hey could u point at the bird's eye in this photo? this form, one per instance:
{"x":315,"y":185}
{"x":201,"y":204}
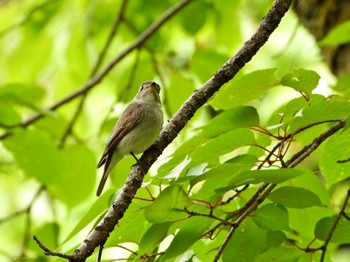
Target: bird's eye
{"x":142,"y":87}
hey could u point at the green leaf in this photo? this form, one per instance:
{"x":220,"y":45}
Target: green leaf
{"x":8,"y":114}
{"x":80,"y":164}
{"x":294,"y":197}
{"x":340,"y":34}
{"x":343,"y":84}
{"x":241,"y":247}
{"x":280,"y":254}
{"x":341,"y":234}
{"x":21,"y":93}
{"x":48,"y":234}
{"x":201,"y":67}
{"x":226,"y":143}
{"x":181,"y":88}
{"x":37,"y":155}
{"x":199,"y":150}
{"x":153,"y":237}
{"x":312,"y":183}
{"x":220,"y":176}
{"x":188,"y":234}
{"x":181,"y":155}
{"x":322,"y":111}
{"x":275,"y":176}
{"x":224,"y":172}
{"x":276,"y":238}
{"x":244,"y":89}
{"x":177,"y":170}
{"x":301,"y":80}
{"x":296,"y":105}
{"x":197,"y":14}
{"x":238,"y":117}
{"x":96,"y":209}
{"x":168,"y":206}
{"x":272,"y":217}
{"x":336,"y":148}
{"x":130,"y":228}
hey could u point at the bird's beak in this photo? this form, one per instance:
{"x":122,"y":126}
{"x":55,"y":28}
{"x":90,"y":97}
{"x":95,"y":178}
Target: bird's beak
{"x":154,"y":86}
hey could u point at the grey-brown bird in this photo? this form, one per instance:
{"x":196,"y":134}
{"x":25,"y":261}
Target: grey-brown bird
{"x":136,"y":130}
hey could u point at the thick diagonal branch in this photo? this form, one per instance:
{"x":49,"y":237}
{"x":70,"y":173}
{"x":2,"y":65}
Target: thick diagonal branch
{"x":100,"y":234}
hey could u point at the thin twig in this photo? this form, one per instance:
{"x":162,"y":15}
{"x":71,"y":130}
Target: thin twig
{"x":27,"y":18}
{"x":335,"y":224}
{"x":152,"y":52}
{"x":266,"y":188}
{"x":115,"y":27}
{"x":223,"y":221}
{"x":48,"y":252}
{"x":307,"y":150}
{"x":28,"y":222}
{"x":243,"y":216}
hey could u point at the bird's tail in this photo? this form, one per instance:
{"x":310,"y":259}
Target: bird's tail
{"x":109,"y":164}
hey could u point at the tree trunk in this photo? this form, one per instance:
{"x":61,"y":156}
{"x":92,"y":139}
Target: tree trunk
{"x":319,"y":17}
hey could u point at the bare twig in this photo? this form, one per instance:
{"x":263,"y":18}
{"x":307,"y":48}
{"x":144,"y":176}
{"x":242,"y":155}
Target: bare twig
{"x":48,"y":252}
{"x":100,"y":76}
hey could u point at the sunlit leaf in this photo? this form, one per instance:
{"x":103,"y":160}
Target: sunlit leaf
{"x":210,"y":152}
{"x":322,"y":111}
{"x":244,"y":89}
{"x":152,"y":237}
{"x":272,"y":217}
{"x":8,"y":114}
{"x":130,"y":227}
{"x":234,"y":118}
{"x":191,"y":232}
{"x":294,"y":197}
{"x":197,"y":13}
{"x":241,"y":246}
{"x":337,"y":148}
{"x":37,"y":155}
{"x":167,"y":206}
{"x":281,"y":253}
{"x":275,"y":176}
{"x":80,"y":170}
{"x":200,"y":65}
{"x":96,"y":209}
{"x":340,"y":34}
{"x":303,"y":81}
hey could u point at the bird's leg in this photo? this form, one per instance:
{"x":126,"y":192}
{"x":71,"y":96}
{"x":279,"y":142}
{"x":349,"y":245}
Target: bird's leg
{"x":134,"y":156}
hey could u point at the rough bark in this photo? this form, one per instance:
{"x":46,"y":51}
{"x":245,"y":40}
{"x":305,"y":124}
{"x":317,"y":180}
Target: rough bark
{"x":319,"y":17}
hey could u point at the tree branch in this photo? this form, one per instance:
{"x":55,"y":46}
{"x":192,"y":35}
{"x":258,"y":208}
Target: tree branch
{"x":114,"y":29}
{"x":99,"y":235}
{"x":99,"y":77}
{"x":267,"y":188}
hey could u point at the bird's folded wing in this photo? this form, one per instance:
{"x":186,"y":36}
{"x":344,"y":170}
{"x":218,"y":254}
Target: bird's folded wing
{"x":130,"y":118}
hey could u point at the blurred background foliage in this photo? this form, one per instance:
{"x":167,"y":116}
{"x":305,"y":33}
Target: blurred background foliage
{"x":48,"y":50}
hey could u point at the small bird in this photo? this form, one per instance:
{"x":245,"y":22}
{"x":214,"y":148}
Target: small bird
{"x":136,"y":130}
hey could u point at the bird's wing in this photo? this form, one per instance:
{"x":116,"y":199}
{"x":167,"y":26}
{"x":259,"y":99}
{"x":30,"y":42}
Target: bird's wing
{"x":132,"y":115}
